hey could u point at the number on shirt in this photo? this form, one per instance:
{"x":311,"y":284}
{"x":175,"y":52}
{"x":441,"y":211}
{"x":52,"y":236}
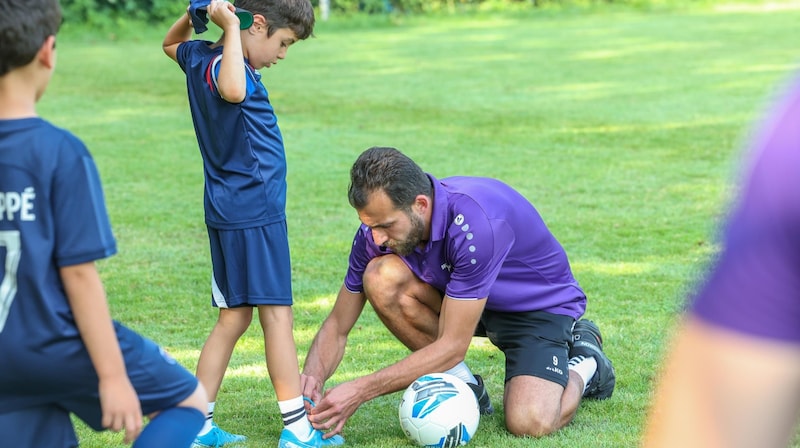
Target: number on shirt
{"x":8,"y":287}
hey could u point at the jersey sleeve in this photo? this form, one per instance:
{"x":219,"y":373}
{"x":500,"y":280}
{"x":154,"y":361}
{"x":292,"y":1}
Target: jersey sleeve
{"x":189,"y":58}
{"x":182,"y":55}
{"x":478,"y":246}
{"x":362,"y":251}
{"x":82,"y":228}
{"x":212,"y":76}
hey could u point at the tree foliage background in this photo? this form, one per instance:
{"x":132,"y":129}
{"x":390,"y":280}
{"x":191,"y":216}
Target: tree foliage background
{"x":105,"y":12}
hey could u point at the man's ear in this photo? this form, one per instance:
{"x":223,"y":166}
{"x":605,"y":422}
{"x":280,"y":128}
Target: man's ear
{"x":47,"y":52}
{"x":422,"y":203}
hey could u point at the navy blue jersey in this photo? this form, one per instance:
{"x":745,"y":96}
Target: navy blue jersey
{"x":242,"y":148}
{"x":52,"y":214}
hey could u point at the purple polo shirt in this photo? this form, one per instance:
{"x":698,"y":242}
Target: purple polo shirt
{"x":755,"y":286}
{"x":486,"y":240}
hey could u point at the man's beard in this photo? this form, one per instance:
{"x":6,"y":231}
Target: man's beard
{"x":415,"y":235}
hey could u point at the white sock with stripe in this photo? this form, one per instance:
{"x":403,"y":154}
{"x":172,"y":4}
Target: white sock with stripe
{"x":584,"y":367}
{"x":295,"y":418}
{"x":209,"y":419}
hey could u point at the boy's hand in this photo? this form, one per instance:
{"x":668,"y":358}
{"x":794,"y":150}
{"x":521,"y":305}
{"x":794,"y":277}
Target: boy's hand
{"x":223,"y":14}
{"x":121,"y":407}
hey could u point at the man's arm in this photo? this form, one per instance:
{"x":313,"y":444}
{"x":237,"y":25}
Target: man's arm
{"x":87,"y":299}
{"x":327,"y":349}
{"x":725,"y":389}
{"x":457,"y":322}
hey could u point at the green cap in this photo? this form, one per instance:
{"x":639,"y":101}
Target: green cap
{"x":245,"y":18}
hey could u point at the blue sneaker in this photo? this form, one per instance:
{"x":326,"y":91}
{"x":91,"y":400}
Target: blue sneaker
{"x":289,"y":440}
{"x":216,"y":438}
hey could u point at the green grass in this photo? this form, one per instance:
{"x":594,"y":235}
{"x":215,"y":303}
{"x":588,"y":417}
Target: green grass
{"x":623,"y":128}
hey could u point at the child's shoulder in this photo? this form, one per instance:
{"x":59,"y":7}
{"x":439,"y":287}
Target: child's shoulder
{"x":52,"y":138}
{"x":197,"y":50}
{"x":200,"y":46}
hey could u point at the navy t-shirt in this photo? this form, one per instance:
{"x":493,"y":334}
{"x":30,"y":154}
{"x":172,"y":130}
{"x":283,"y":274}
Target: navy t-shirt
{"x":487,"y":240}
{"x":243,"y":155}
{"x":52,"y":214}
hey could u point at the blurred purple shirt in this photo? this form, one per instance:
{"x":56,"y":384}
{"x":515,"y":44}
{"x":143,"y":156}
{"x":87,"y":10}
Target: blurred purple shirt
{"x":755,"y":286}
{"x":486,"y":240}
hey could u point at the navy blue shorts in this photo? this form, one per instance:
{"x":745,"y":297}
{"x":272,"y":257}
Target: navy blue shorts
{"x":534,"y":343}
{"x":250,"y":266}
{"x":46,"y":385}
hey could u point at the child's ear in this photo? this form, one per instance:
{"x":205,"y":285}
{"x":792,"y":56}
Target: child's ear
{"x":47,"y":52}
{"x":259,"y":23}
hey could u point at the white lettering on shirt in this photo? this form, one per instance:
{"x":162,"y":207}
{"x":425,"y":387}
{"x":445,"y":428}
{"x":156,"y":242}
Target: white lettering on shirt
{"x":17,"y":206}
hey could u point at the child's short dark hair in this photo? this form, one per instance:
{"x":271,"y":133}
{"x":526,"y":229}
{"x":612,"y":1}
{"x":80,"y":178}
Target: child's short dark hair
{"x":297,"y":15}
{"x":24,"y":26}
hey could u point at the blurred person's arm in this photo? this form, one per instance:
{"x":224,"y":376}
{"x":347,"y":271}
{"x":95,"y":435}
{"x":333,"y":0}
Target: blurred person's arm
{"x":725,"y":389}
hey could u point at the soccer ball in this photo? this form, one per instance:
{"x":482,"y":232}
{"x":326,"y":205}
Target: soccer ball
{"x":439,"y":410}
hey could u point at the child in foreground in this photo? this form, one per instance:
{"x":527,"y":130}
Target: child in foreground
{"x":61,"y":352}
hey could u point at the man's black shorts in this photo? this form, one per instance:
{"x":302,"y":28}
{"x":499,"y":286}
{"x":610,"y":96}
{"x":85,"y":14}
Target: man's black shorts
{"x":535,"y":343}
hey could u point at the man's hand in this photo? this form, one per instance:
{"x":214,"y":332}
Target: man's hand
{"x":121,"y":407}
{"x":338,"y":404}
{"x":311,"y":388}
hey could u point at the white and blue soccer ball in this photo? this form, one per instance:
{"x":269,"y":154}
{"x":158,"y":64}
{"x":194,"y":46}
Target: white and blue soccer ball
{"x":439,"y":410}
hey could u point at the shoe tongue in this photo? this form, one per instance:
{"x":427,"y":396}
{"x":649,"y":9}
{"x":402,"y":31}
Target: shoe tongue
{"x":310,"y":435}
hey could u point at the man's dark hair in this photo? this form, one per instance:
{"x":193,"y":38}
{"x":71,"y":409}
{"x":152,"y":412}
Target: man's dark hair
{"x":297,"y":15}
{"x":387,"y":169}
{"x":24,"y":26}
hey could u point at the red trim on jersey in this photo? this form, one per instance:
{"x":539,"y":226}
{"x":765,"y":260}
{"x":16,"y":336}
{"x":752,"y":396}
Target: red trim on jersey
{"x":210,"y":73}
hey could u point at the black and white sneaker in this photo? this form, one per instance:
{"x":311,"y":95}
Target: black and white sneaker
{"x":484,"y":402}
{"x":587,"y":341}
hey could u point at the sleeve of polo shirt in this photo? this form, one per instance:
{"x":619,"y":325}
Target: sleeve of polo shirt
{"x":361,"y":252}
{"x":478,"y":247}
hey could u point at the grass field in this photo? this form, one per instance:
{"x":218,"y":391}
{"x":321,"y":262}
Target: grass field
{"x":623,"y":128}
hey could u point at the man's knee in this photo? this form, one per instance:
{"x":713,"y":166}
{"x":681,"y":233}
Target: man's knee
{"x":531,"y":422}
{"x":532,"y":406}
{"x":386,"y":270}
{"x":385,"y":278}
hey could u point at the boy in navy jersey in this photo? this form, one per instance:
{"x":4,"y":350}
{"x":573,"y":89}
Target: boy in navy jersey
{"x":245,"y":194}
{"x":60,"y":351}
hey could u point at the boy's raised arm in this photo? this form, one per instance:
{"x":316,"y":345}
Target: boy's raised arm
{"x":231,"y":80}
{"x":179,"y":32}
